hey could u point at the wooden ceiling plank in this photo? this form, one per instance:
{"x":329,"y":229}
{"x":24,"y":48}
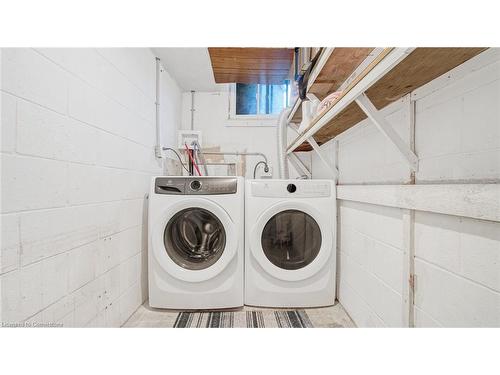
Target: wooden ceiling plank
{"x":250,"y":65}
{"x":249,"y":79}
{"x":252,"y":53}
{"x":250,"y":70}
{"x":229,"y":63}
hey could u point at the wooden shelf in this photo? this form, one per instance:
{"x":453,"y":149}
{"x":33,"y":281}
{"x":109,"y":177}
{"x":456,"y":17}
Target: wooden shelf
{"x":333,"y":68}
{"x":421,"y":66}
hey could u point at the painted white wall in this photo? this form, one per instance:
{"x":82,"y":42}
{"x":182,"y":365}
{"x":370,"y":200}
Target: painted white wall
{"x":457,"y":260}
{"x":78,"y":134}
{"x":170,"y":112}
{"x":211,"y":116}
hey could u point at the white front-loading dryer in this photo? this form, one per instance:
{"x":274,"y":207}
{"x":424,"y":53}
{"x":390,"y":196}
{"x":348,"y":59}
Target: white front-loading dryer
{"x":196,"y":242}
{"x":290,"y":243}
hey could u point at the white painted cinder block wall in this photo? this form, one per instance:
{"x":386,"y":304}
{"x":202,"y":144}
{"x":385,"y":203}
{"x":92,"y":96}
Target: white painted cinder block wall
{"x":457,"y":260}
{"x":211,"y":117}
{"x":78,"y":134}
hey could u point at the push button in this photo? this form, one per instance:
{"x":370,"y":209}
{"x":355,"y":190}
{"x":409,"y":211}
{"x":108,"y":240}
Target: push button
{"x":291,"y":188}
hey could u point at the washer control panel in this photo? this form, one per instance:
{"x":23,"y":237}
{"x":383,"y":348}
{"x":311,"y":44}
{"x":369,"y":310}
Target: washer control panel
{"x":196,"y":185}
{"x":291,"y":188}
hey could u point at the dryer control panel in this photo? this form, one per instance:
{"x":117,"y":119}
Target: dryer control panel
{"x":291,"y":188}
{"x":196,"y":185}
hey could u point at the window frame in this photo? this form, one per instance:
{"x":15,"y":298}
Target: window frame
{"x":232,"y":107}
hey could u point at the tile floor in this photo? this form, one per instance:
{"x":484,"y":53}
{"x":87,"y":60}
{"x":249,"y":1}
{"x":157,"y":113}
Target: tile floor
{"x":323,"y":317}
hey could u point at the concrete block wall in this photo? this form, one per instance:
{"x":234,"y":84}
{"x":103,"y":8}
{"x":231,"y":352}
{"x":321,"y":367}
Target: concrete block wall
{"x":78,"y":134}
{"x":457,"y":263}
{"x":370,"y":256}
{"x":458,"y":127}
{"x":457,"y":260}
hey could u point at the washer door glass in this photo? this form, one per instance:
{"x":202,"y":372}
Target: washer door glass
{"x":194,"y":238}
{"x":291,"y":239}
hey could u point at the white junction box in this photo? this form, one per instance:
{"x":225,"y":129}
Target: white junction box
{"x":186,"y":137}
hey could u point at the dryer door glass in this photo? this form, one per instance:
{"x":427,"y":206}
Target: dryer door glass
{"x":194,"y":238}
{"x":291,"y":239}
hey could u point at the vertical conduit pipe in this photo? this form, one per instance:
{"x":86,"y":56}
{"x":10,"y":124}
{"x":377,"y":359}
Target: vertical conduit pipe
{"x":158,"y":149}
{"x":192,"y":109}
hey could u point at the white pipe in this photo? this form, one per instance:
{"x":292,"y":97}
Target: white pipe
{"x":192,"y":110}
{"x":158,"y":149}
{"x":237,"y":153}
{"x":283,"y":143}
{"x":309,"y":108}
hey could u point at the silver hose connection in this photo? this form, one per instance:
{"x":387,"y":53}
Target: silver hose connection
{"x":266,"y":168}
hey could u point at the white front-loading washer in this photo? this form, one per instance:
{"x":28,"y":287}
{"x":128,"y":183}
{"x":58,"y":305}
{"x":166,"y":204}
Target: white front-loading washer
{"x":290,"y":243}
{"x":196,"y":242}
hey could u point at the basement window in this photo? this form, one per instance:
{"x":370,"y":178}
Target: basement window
{"x":258,"y":101}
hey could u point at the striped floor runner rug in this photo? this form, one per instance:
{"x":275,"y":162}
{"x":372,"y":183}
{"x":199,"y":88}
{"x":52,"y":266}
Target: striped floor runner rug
{"x":244,"y":319}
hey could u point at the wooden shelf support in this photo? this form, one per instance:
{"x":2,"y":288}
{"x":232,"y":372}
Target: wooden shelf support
{"x":299,"y":166}
{"x":333,"y":170}
{"x":386,"y":129}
